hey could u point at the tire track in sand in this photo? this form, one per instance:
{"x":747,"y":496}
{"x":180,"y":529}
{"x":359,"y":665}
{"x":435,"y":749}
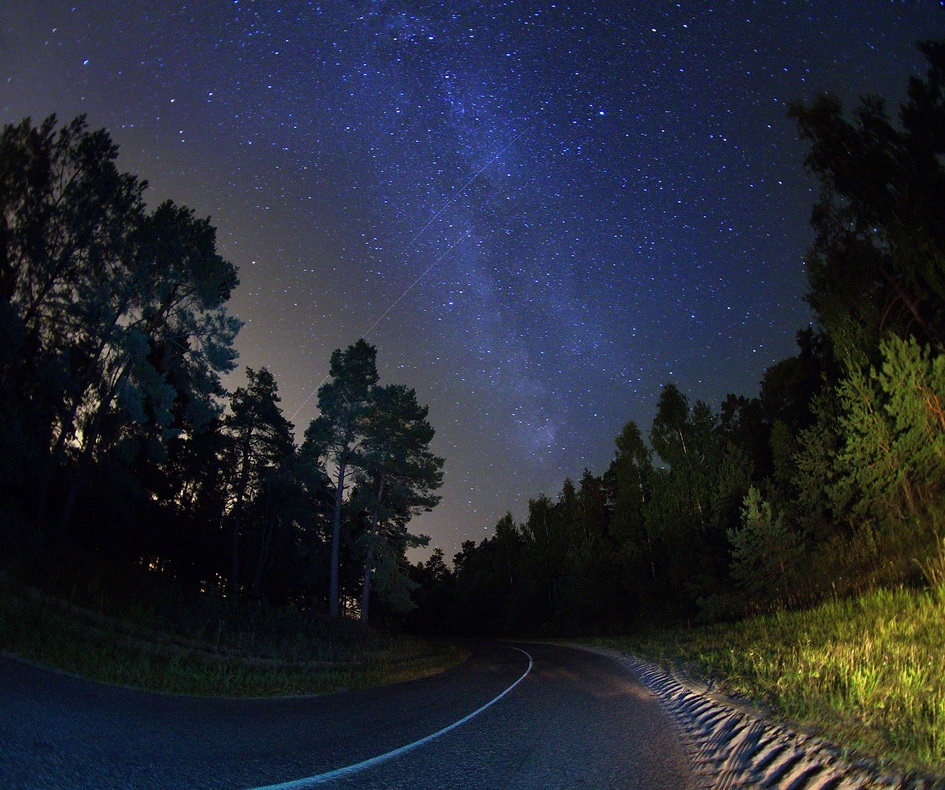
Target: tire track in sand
{"x":731,"y":747}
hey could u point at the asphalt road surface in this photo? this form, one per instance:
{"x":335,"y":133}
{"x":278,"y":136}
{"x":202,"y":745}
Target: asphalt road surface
{"x":568,"y":719}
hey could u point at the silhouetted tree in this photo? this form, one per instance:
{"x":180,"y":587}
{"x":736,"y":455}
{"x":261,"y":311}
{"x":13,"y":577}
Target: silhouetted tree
{"x":399,"y":475}
{"x":345,"y":406}
{"x":262,"y":450}
{"x":878,"y":259}
{"x":112,"y":319}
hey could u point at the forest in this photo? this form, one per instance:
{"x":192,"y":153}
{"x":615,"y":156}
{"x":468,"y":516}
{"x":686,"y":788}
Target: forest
{"x":827,"y":483}
{"x":119,"y":444}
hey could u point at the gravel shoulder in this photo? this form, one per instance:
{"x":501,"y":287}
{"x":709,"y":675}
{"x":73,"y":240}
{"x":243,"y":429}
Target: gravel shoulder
{"x":732,"y":745}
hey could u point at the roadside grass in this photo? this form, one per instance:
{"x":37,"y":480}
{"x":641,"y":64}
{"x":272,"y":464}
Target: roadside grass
{"x":210,"y":648}
{"x":867,"y":674}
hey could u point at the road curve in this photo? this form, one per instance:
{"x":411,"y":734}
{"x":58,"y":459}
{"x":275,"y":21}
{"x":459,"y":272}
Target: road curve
{"x":575,"y":720}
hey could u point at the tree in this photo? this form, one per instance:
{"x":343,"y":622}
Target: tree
{"x":878,"y":260}
{"x":113,"y":322}
{"x":262,"y":448}
{"x":345,"y":406}
{"x":668,"y":434}
{"x":672,"y":436}
{"x":631,"y":472}
{"x":67,"y":228}
{"x":591,"y":595}
{"x":433,"y":596}
{"x":193,"y":488}
{"x":546,"y":538}
{"x":789,"y":386}
{"x":696,"y":499}
{"x":892,"y":424}
{"x":399,"y":475}
{"x":764,"y":551}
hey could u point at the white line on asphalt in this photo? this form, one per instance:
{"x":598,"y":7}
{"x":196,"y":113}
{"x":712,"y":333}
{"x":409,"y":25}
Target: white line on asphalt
{"x":313,"y":781}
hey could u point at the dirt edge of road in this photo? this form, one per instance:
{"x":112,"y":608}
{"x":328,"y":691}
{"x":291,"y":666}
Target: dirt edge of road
{"x":732,"y":746}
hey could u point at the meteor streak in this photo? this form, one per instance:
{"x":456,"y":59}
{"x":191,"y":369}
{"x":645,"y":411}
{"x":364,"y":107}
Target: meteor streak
{"x":409,"y":287}
{"x":464,"y":188}
{"x":413,"y":241}
{"x":384,"y":314}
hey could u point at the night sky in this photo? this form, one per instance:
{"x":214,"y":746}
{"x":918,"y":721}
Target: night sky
{"x":538,"y":212}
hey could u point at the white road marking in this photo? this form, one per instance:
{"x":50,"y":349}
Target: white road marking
{"x":314,"y":781}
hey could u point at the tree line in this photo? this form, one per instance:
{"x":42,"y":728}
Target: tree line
{"x":117,"y":436}
{"x":828,"y":482}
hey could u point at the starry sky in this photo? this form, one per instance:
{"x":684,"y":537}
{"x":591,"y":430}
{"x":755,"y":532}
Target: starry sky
{"x":538,"y":212}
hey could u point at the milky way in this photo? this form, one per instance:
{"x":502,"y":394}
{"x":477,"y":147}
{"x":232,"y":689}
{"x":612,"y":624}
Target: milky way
{"x":538,"y":212}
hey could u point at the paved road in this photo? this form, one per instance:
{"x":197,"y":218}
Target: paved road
{"x":575,"y":720}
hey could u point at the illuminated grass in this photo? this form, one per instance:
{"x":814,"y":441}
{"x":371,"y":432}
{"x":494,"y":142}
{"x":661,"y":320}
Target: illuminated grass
{"x":318,"y":658}
{"x":868,"y":674}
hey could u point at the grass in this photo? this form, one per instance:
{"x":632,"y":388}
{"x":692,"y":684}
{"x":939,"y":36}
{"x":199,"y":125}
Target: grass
{"x":210,"y":648}
{"x":867,"y":674}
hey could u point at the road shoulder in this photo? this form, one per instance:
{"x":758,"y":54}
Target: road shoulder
{"x":732,"y":745}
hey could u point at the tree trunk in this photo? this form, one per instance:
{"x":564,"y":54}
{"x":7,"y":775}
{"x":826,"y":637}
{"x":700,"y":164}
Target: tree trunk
{"x":270,"y":524}
{"x":263,"y":558}
{"x":83,"y":463}
{"x":366,"y":586}
{"x":234,"y":581}
{"x":56,"y":458}
{"x":333,"y":587}
{"x":106,"y":394}
{"x":369,"y":559}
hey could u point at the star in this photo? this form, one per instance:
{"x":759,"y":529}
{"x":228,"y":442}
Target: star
{"x":540,"y":216}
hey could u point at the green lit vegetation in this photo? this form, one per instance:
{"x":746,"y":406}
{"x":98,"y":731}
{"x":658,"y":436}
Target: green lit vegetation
{"x":237,"y":559}
{"x":866,"y":673}
{"x":827,"y":484}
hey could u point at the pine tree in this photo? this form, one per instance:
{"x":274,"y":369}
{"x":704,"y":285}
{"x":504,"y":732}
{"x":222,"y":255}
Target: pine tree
{"x":338,"y":433}
{"x":262,"y":445}
{"x":399,"y":475}
{"x":764,"y":551}
{"x":112,"y":319}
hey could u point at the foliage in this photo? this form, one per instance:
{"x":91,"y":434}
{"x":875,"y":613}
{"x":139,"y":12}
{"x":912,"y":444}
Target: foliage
{"x":344,"y":403}
{"x":878,"y":260}
{"x":829,"y":482}
{"x":379,"y":434}
{"x":113,"y":317}
{"x":114,"y":335}
{"x":396,"y":481}
{"x":113,"y":439}
{"x":636,"y":539}
{"x":764,"y":551}
{"x":867,"y":672}
{"x":205,"y":646}
{"x":261,"y":455}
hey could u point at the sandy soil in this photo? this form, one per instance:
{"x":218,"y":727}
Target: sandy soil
{"x":731,"y":745}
